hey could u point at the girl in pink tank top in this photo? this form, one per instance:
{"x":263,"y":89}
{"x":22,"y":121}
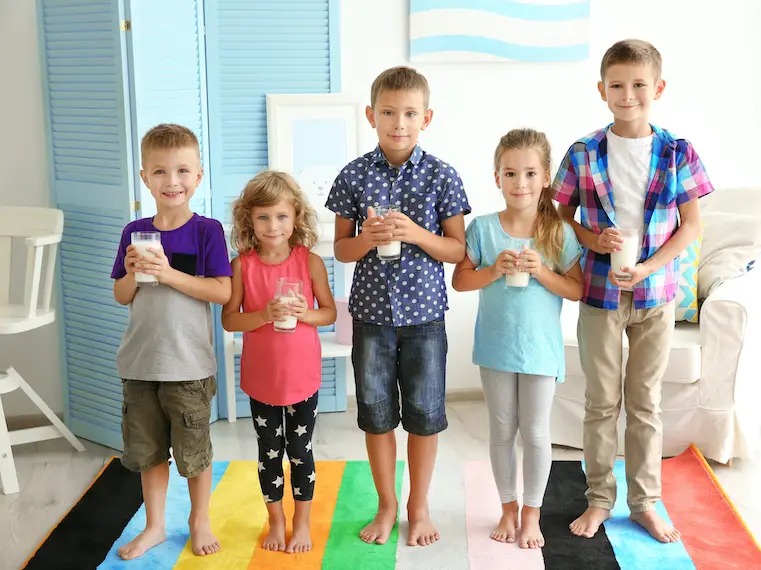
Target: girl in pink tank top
{"x":281,"y":365}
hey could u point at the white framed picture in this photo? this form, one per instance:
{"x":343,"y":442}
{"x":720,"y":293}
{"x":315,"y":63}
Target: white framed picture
{"x":313,"y":136}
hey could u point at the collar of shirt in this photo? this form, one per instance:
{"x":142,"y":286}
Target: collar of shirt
{"x":379,"y":156}
{"x":596,"y":141}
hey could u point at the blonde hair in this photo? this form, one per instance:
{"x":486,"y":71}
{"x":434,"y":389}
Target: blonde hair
{"x":267,"y":189}
{"x":168,"y":136}
{"x":548,"y":234}
{"x":632,"y":51}
{"x":400,"y":78}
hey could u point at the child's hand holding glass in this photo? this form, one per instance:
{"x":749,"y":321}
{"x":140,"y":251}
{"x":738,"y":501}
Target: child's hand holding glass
{"x":299,"y":307}
{"x":531,"y":262}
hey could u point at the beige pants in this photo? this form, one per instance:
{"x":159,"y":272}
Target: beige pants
{"x":600,"y":333}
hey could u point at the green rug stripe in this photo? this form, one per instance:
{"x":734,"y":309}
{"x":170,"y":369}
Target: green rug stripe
{"x":356,"y":506}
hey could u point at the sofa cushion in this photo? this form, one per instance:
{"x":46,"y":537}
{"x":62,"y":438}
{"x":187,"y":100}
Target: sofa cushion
{"x":684,"y":365}
{"x":730,"y":242}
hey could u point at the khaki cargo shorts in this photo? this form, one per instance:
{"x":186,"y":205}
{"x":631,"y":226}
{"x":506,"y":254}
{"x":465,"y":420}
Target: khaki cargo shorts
{"x":160,"y":415}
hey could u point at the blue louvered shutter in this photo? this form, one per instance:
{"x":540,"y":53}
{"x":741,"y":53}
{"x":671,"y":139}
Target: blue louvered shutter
{"x":85,"y":90}
{"x":255,"y":48}
{"x":167,"y":60}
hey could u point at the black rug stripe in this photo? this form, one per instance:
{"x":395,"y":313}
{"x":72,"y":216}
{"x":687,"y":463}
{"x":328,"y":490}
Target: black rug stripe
{"x":563,"y":502}
{"x":83,"y":538}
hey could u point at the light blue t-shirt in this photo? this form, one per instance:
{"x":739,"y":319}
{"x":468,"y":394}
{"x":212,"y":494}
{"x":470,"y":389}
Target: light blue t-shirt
{"x":517,"y":329}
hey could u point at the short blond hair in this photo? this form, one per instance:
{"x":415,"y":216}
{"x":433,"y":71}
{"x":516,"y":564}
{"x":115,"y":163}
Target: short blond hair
{"x":632,"y":51}
{"x":400,"y":78}
{"x":168,"y":136}
{"x":267,"y":189}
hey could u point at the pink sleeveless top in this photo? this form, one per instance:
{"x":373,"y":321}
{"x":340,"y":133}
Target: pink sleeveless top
{"x":278,"y":368}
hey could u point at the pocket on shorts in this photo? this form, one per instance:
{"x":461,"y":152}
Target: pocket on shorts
{"x":193,"y":387}
{"x":196,"y":442}
{"x":206,"y":387}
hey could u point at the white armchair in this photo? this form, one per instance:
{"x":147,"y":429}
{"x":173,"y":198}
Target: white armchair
{"x":712,"y":386}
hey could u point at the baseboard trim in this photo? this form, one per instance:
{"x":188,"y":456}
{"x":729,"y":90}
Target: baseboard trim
{"x":28,"y":421}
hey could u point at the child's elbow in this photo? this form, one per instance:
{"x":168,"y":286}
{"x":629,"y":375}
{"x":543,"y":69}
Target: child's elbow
{"x":458,"y":253}
{"x":332,"y":316}
{"x":577,"y":292}
{"x":226,"y":324}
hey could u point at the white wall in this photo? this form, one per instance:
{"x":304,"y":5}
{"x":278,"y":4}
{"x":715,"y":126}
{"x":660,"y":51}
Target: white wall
{"x":24,"y":182}
{"x":712,"y":57}
{"x":711,"y":51}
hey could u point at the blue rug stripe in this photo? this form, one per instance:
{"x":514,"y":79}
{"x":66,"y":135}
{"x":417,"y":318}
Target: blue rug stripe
{"x":634,"y":547}
{"x":177,"y":533}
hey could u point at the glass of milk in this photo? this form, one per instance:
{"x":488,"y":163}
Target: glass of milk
{"x":518,"y":279}
{"x":142,"y":242}
{"x":287,"y":291}
{"x":391,"y":251}
{"x":629,"y":252}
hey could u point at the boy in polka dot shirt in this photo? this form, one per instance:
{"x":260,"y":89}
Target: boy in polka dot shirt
{"x":399,"y":342}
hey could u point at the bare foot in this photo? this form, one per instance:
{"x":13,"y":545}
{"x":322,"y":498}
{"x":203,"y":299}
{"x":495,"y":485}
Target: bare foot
{"x":301,"y":541}
{"x":143,"y":542}
{"x":531,"y":534}
{"x":380,"y":529}
{"x":422,"y":530}
{"x":508,"y":525}
{"x":202,"y":539}
{"x":658,"y":528}
{"x":589,"y":523}
{"x":275,"y":539}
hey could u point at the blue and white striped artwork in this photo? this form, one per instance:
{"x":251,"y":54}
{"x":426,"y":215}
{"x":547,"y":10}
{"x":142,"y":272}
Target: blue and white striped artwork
{"x":499,"y":30}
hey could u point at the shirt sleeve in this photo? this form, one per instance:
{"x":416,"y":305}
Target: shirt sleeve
{"x":118,"y":270}
{"x":217,"y":261}
{"x":451,"y":198}
{"x":571,"y":249}
{"x":566,"y":183}
{"x":472,"y":243}
{"x":341,"y":199}
{"x":692,"y":178}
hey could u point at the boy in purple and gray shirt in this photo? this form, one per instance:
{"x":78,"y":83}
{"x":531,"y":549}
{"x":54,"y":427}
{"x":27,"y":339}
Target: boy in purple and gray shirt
{"x":166,"y":357}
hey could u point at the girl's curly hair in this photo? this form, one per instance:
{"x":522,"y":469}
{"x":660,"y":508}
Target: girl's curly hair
{"x":267,"y":189}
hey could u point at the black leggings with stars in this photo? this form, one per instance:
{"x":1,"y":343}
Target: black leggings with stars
{"x":280,"y":429}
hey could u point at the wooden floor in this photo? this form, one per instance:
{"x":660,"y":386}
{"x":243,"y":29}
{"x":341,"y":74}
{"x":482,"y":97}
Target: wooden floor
{"x":53,"y":476}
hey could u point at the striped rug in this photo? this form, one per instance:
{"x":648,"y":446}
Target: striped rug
{"x":464,"y":504}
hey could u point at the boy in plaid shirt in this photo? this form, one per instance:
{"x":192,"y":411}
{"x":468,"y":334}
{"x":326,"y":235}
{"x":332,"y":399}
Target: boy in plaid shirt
{"x":630,"y":175}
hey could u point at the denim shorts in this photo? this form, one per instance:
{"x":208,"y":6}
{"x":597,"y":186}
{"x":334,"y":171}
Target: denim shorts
{"x":411,"y":361}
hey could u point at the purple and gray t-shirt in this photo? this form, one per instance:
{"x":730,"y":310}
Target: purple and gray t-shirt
{"x":169,"y":336}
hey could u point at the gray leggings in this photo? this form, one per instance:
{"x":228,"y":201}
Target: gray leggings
{"x":519,"y":401}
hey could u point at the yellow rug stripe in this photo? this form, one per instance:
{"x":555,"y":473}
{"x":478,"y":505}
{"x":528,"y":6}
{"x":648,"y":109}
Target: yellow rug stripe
{"x":329,"y":476}
{"x":238,"y":516}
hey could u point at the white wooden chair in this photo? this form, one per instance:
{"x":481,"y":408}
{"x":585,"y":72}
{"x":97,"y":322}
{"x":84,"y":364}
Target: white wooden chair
{"x":40,"y":229}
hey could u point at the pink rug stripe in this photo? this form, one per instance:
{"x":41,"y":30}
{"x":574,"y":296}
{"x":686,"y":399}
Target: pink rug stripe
{"x":482,"y":512}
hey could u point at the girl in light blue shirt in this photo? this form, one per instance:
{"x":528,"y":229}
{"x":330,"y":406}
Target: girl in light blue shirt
{"x":518,"y":340}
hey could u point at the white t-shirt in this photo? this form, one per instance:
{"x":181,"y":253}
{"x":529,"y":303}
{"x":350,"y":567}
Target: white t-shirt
{"x":629,"y":173}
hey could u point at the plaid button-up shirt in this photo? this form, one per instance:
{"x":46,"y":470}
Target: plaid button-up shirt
{"x":676,"y":176}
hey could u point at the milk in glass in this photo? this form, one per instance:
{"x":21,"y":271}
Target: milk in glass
{"x":143,"y":241}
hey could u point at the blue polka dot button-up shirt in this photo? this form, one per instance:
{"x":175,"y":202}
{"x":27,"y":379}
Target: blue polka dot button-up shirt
{"x":410,"y":290}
